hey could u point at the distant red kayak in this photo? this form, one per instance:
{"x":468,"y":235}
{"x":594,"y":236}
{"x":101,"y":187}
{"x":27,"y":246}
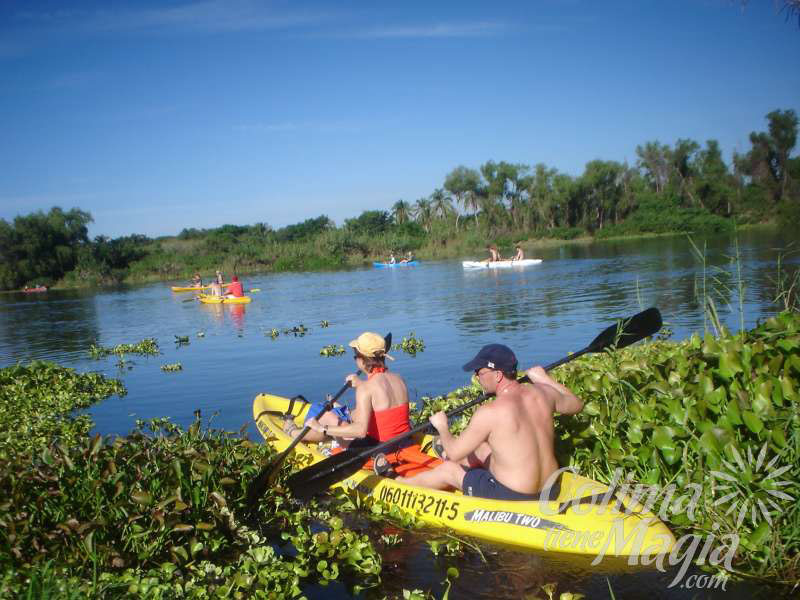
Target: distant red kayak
{"x":34,"y":290}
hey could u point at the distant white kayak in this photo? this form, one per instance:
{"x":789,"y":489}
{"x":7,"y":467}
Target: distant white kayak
{"x":500,"y":264}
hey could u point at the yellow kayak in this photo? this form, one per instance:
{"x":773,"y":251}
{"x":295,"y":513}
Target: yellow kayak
{"x":564,"y":525}
{"x":197,"y":288}
{"x":205,"y":299}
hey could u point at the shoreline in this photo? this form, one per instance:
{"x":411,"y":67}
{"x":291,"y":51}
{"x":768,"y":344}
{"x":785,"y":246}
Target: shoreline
{"x":452,"y":250}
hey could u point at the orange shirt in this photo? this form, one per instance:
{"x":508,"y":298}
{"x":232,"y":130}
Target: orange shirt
{"x":235,"y":289}
{"x":386,"y":424}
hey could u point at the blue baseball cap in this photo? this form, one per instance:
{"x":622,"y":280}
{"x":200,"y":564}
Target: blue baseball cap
{"x":493,"y":356}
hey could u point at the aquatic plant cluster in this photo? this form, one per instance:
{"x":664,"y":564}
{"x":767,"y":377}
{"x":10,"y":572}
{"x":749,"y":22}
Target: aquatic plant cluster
{"x":147,"y":347}
{"x":410,"y":345}
{"x":332,"y":350}
{"x":156,"y":514}
{"x":684,"y":419}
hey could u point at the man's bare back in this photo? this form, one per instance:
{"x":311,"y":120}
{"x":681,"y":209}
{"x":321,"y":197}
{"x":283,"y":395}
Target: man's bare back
{"x":506,"y":451}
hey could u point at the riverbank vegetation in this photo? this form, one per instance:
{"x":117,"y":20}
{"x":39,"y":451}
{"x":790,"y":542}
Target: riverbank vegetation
{"x":685,"y":187}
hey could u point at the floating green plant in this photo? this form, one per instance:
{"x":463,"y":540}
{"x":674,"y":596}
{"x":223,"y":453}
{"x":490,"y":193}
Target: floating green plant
{"x":147,"y":347}
{"x":172,"y":367}
{"x":181,"y":340}
{"x":410,"y":345}
{"x":332,"y":350}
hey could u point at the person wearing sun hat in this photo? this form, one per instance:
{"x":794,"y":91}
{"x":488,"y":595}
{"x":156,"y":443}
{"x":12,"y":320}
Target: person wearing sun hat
{"x":506,"y":451}
{"x":381,"y":410}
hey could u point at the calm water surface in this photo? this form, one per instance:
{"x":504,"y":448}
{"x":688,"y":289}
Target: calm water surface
{"x":542,"y":312}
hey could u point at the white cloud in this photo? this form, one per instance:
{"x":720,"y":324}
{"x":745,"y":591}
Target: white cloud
{"x":207,"y":16}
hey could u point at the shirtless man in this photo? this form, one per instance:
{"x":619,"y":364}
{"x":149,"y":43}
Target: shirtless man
{"x":519,"y":255}
{"x":506,"y":451}
{"x":494,"y":255}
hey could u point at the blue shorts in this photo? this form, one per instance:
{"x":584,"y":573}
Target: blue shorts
{"x":481,"y":483}
{"x":341,"y":412}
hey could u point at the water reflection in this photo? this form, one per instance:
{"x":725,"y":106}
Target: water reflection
{"x":59,"y":326}
{"x":220,"y":313}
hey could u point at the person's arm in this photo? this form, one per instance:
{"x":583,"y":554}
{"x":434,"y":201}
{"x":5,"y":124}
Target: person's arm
{"x":558,"y":396}
{"x":361,"y":415}
{"x":477,"y":432}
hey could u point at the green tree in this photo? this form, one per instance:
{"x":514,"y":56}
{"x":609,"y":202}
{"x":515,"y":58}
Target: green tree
{"x":401,"y":212}
{"x":41,"y":246}
{"x":423,"y":213}
{"x":464,"y":184}
{"x":441,"y":204}
{"x":507,"y":183}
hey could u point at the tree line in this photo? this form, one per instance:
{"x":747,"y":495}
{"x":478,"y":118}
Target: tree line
{"x":670,"y":188}
{"x":685,"y":185}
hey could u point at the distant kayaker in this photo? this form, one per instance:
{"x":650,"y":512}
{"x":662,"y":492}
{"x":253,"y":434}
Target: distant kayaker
{"x":409,"y":258}
{"x":506,"y":451}
{"x":235,"y":289}
{"x":519,"y":255}
{"x":494,"y":255}
{"x":197,"y":281}
{"x":219,"y":277}
{"x":216,"y":288}
{"x":392,"y":259}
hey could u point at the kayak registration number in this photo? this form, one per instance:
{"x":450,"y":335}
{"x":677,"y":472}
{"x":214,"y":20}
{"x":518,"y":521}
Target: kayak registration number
{"x":420,"y":501}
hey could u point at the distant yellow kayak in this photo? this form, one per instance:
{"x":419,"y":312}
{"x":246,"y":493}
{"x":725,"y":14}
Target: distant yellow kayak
{"x":222,"y":300}
{"x":197,"y":288}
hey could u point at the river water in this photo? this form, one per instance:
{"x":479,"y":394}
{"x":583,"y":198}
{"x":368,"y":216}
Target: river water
{"x":542,"y":312}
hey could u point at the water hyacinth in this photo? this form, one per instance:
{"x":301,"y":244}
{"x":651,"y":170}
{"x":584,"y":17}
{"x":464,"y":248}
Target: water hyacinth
{"x":410,"y":345}
{"x":332,"y":350}
{"x":147,"y":347}
{"x":158,"y":513}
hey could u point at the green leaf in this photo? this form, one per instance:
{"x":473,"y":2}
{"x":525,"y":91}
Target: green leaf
{"x":753,"y":423}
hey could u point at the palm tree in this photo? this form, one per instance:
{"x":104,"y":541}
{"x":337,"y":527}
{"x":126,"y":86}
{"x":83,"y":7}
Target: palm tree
{"x":401,"y":211}
{"x":423,"y":213}
{"x":441,"y":203}
{"x":464,"y":184}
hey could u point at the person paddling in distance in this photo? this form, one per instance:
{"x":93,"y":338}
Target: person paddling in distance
{"x":235,"y":289}
{"x":494,"y":255}
{"x":392,"y":259}
{"x":520,"y":255}
{"x":216,"y":288}
{"x":197,"y":281}
{"x":506,"y":451}
{"x":218,"y":277}
{"x":408,"y":258}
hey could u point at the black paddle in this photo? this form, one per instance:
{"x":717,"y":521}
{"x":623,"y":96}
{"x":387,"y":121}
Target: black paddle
{"x":320,"y":476}
{"x":268,"y":473}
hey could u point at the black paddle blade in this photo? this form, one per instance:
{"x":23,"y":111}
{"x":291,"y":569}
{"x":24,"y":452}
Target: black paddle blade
{"x":261,"y":482}
{"x":627,"y":331}
{"x":318,"y":477}
{"x":387,"y":340}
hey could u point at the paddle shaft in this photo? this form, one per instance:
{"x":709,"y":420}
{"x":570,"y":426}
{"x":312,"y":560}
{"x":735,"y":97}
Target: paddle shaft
{"x":328,"y":405}
{"x":621,"y":334}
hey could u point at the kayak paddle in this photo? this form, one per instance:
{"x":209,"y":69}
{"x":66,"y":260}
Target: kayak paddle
{"x":268,"y":473}
{"x":320,"y":476}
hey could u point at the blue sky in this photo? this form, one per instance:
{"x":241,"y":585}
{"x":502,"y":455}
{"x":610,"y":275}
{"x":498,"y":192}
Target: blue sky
{"x":164,"y":115}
